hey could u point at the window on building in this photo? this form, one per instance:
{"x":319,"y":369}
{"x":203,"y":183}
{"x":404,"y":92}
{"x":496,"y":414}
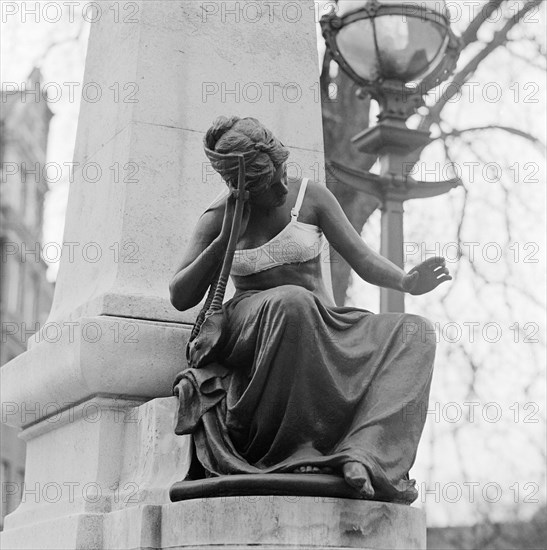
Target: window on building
{"x":29,"y":298}
{"x":23,"y":189}
{"x":11,"y":181}
{"x":31,"y":203}
{"x":37,"y":284}
{"x":12,"y":283}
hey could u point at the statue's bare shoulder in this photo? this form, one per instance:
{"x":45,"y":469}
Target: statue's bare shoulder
{"x":210,"y":221}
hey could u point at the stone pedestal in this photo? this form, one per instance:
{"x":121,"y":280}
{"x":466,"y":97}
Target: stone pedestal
{"x":84,"y":465}
{"x":133,"y":456}
{"x":286,"y":522}
{"x":269,"y":522}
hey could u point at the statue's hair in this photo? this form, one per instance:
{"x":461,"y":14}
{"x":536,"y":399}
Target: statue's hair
{"x":242,"y":135}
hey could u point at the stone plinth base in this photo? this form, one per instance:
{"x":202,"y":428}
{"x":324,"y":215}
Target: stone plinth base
{"x":291,"y":522}
{"x":130,"y":456}
{"x":264,"y":522}
{"x":98,"y":476}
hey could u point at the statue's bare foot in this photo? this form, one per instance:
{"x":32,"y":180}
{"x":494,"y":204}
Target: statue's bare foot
{"x":357,"y":476}
{"x":312,"y":470}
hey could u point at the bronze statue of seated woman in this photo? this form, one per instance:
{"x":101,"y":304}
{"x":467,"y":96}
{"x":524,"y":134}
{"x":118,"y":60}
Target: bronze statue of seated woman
{"x":300,"y":384}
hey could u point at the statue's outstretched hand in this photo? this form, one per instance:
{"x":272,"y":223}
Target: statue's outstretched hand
{"x":426,"y":276}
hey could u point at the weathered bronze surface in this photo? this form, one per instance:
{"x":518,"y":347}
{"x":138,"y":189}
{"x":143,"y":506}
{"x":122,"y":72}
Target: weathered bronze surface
{"x":301,"y":386}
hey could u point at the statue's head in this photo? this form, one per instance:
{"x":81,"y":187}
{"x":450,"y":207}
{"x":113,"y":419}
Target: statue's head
{"x":246,"y":135}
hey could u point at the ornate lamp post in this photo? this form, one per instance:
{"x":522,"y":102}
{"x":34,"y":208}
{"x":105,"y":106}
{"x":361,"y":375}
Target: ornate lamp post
{"x":396,"y":51}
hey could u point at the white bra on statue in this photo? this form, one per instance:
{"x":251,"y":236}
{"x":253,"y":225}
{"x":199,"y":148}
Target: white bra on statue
{"x":297,"y":242}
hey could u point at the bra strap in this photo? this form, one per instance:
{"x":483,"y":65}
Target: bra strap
{"x":299,"y":199}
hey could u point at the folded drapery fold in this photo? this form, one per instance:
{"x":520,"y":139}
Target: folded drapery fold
{"x":304,"y":383}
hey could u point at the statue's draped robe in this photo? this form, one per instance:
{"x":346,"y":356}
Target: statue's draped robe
{"x":303,"y":383}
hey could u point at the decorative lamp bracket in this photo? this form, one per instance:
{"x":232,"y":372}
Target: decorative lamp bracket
{"x":399,"y":188}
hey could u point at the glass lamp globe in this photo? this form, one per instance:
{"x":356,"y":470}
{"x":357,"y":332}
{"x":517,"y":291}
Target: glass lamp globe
{"x":397,"y":40}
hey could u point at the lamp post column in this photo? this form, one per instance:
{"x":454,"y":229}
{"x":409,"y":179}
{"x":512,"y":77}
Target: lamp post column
{"x":391,"y":247}
{"x":393,"y":155}
{"x":360,"y":38}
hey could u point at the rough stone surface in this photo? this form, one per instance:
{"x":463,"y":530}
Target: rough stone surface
{"x":95,"y":458}
{"x":102,"y":355}
{"x":74,"y":531}
{"x":292,"y":521}
{"x":265,"y":522}
{"x":133,"y":457}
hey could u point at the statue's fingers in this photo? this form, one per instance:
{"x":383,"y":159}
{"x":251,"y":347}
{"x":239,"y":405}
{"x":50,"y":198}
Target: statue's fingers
{"x":440,"y":271}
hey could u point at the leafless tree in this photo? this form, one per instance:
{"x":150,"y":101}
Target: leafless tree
{"x":339,"y":127}
{"x":496,"y":39}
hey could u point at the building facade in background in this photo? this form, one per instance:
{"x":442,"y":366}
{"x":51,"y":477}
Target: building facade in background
{"x":25,"y":294}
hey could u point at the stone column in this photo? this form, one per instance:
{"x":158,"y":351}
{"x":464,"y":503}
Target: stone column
{"x":91,"y":393}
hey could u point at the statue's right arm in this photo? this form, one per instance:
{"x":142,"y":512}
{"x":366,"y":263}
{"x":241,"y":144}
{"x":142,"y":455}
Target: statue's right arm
{"x":201,"y":260}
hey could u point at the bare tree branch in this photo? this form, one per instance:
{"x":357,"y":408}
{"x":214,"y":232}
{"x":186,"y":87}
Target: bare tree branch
{"x":508,"y":129}
{"x":499,"y":39}
{"x":470,"y":34}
